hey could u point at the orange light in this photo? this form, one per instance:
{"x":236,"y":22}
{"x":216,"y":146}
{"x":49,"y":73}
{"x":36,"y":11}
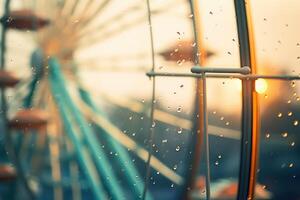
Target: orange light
{"x":261,"y":86}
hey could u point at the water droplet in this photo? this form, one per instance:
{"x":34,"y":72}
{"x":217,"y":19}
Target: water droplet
{"x":221,"y":118}
{"x":229,"y":53}
{"x":292,"y":144}
{"x":217,"y":163}
{"x":279,"y":115}
{"x":175,"y":167}
{"x":296,"y":123}
{"x":211,"y":13}
{"x":291,"y":165}
{"x":181,"y":86}
{"x":130,"y":118}
{"x":179,"y":130}
{"x":214,"y":112}
{"x":293,"y":84}
{"x":153,"y":124}
{"x":179,"y":109}
{"x":191,"y":15}
{"x":180,"y":62}
{"x":289,"y":101}
{"x":268,"y":135}
{"x":285,"y":134}
{"x":294,"y":94}
{"x":227,"y":123}
{"x":219,"y":156}
{"x":164,"y":141}
{"x":172,"y":185}
{"x":177,"y":148}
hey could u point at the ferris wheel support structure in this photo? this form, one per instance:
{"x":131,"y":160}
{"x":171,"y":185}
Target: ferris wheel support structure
{"x":250,"y":112}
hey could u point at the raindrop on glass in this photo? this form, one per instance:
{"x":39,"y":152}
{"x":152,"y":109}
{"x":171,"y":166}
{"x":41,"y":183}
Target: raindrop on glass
{"x":292,"y":144}
{"x":296,"y":123}
{"x":179,"y":130}
{"x":153,"y":124}
{"x":179,"y":109}
{"x":175,"y":167}
{"x":285,"y":134}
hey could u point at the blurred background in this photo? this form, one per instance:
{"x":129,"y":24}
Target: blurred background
{"x":80,"y":71}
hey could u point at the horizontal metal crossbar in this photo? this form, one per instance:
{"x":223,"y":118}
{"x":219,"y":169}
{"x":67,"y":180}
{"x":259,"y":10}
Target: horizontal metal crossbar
{"x":225,"y":75}
{"x":200,"y":70}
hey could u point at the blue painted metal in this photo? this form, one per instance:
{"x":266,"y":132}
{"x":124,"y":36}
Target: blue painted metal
{"x":100,"y":159}
{"x":80,"y":148}
{"x":131,"y":173}
{"x":37,"y":65}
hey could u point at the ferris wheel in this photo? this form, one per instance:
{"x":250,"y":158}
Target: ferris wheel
{"x":89,"y":118}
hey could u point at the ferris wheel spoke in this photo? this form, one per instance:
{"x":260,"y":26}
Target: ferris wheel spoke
{"x":73,"y":166}
{"x":84,"y":18}
{"x":129,"y":143}
{"x":115,"y":19}
{"x":125,"y":26}
{"x":94,"y":61}
{"x":89,"y":18}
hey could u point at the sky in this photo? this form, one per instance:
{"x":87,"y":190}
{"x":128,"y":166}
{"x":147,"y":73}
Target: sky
{"x":114,"y":62}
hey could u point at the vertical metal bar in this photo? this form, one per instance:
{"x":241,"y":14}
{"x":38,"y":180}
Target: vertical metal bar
{"x":205,"y":136}
{"x":3,"y":112}
{"x":250,"y":120}
{"x":151,"y":135}
{"x":73,"y":167}
{"x":3,"y":35}
{"x":199,"y":105}
{"x":2,"y":59}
